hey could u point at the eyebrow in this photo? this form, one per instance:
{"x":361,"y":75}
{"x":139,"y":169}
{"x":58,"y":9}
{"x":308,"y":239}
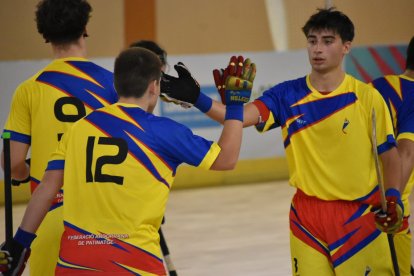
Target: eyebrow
{"x":324,"y":36}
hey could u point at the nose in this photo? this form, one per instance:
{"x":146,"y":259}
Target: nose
{"x":317,"y":47}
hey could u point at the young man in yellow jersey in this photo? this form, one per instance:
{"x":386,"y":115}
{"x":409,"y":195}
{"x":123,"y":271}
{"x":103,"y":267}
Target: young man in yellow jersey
{"x":326,"y":120}
{"x":398,"y":92}
{"x":47,"y":104}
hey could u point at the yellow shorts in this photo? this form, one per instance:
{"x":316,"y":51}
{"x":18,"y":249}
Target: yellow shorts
{"x":402,"y":243}
{"x":336,"y":238}
{"x":45,"y":248}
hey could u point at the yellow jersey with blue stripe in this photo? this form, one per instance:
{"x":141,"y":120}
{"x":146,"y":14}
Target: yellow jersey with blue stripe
{"x":398,"y":92}
{"x":125,"y":161}
{"x":327,"y":137}
{"x":47,"y":104}
{"x":43,"y":108}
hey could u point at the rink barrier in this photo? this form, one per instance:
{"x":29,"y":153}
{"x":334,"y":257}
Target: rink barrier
{"x":247,"y":171}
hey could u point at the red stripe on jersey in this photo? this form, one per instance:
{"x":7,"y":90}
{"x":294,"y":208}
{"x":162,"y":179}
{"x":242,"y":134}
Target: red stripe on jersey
{"x":112,"y":255}
{"x":263,"y":110}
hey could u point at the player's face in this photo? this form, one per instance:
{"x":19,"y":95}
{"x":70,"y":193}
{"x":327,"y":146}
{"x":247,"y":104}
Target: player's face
{"x":326,"y":50}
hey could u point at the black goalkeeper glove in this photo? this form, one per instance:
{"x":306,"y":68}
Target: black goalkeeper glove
{"x":183,"y":90}
{"x":13,"y":258}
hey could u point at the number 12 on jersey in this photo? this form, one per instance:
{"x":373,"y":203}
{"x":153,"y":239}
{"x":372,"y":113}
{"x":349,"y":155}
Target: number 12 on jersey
{"x":104,"y":144}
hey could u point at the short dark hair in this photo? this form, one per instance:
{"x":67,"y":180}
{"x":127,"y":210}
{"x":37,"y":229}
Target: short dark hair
{"x":410,"y":55}
{"x":62,"y":21}
{"x":134,"y":69}
{"x":330,"y":19}
{"x":152,"y":46}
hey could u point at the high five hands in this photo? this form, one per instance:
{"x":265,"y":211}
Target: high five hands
{"x":234,"y":83}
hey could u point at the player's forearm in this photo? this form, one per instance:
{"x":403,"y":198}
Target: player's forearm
{"x":406,"y":152}
{"x":230,"y":144}
{"x":41,"y":200}
{"x":392,"y":169}
{"x":217,"y":112}
{"x":407,"y":168}
{"x":19,"y":168}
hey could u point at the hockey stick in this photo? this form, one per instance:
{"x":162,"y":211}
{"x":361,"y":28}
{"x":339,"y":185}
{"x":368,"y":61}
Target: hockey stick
{"x":382,"y":192}
{"x":7,"y":188}
{"x":166,"y":253}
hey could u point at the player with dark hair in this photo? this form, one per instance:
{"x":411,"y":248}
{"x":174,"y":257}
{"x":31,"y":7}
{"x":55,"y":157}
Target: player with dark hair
{"x":47,"y":104}
{"x":155,"y":48}
{"x":111,"y":221}
{"x":326,"y":120}
{"x":398,"y":92}
{"x":162,"y":55}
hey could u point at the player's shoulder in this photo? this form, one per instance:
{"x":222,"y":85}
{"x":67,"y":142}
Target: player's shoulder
{"x":166,"y":126}
{"x":287,"y":87}
{"x":365,"y":92}
{"x":28,"y":84}
{"x":164,"y":121}
{"x":384,"y":79}
{"x":294,"y":83}
{"x":93,"y":65}
{"x":357,"y":86}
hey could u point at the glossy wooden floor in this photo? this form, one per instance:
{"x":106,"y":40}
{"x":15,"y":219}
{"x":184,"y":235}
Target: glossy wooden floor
{"x":225,"y":231}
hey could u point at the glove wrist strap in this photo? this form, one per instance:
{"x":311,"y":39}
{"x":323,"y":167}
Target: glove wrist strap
{"x":16,"y":182}
{"x":234,"y":112}
{"x":24,"y":238}
{"x":203,"y":103}
{"x":393,"y":192}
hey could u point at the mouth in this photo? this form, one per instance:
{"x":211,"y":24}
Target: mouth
{"x":318,"y":60}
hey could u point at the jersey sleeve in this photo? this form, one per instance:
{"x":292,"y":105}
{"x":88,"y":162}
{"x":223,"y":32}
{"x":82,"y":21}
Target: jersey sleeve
{"x":384,"y":127}
{"x":269,"y":108}
{"x":57,"y":159}
{"x":185,"y":147}
{"x":18,"y":122}
{"x":406,"y":128}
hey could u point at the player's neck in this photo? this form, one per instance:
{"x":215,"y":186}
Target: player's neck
{"x":324,"y":82}
{"x":132,"y":100}
{"x":74,"y":49}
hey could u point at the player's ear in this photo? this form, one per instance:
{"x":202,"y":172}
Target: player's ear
{"x":347,"y":47}
{"x":85,"y":33}
{"x":154,"y":88}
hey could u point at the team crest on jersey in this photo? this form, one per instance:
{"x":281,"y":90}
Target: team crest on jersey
{"x":367,"y":271}
{"x":345,"y":125}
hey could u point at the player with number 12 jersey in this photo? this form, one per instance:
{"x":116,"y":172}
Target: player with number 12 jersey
{"x":126,"y":159}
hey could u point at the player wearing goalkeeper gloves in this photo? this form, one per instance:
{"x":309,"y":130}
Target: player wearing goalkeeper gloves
{"x":111,"y":221}
{"x":326,"y":126}
{"x":398,"y":92}
{"x":47,"y":104}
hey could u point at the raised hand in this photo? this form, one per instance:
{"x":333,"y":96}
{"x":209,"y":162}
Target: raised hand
{"x":183,"y":90}
{"x":235,"y":83}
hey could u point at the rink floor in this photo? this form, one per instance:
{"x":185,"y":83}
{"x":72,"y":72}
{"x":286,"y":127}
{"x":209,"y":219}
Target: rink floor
{"x":233,"y":230}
